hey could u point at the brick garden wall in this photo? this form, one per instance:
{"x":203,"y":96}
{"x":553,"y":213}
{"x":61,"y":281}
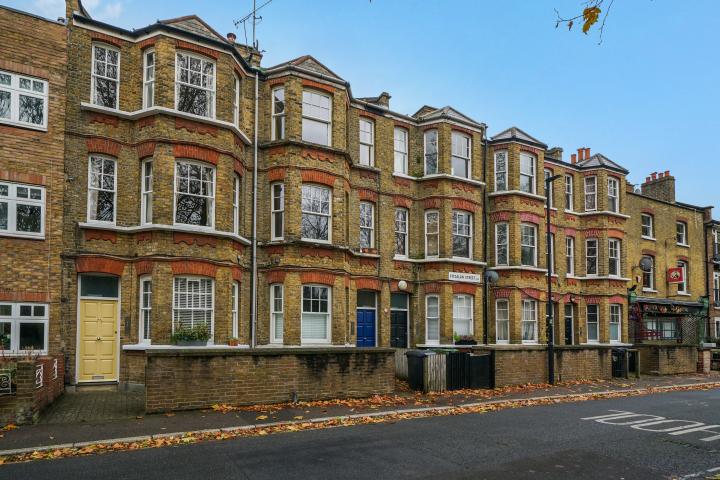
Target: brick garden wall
{"x":192,"y":379}
{"x":668,"y":359}
{"x":28,"y":400}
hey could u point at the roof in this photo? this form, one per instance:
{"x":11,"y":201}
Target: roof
{"x":599,"y":161}
{"x":427,"y":113}
{"x":517,"y":135}
{"x":194,"y":24}
{"x":310,"y":63}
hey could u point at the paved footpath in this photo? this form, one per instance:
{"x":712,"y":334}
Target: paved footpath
{"x":88,"y":417}
{"x":667,"y":435}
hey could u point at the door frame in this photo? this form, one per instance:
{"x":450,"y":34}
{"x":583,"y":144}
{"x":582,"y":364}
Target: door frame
{"x":574,"y":310}
{"x":375,"y":309}
{"x":77,"y":325}
{"x":407,"y":316}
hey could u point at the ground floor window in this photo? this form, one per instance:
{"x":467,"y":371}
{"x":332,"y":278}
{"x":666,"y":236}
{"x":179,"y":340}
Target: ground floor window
{"x":315,"y":320}
{"x":662,"y":328}
{"x":235,"y":309}
{"x":145,"y":308}
{"x":462,"y":315}
{"x":529,"y":321}
{"x":502,"y":321}
{"x":432,"y":317}
{"x":193,"y":303}
{"x":277,"y":323}
{"x":615,"y":323}
{"x":593,"y":322}
{"x":23,"y":327}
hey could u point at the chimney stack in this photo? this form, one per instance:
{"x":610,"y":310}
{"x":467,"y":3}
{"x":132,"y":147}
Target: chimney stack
{"x":581,"y":154}
{"x":660,"y":186}
{"x":573,"y":158}
{"x":231,"y":37}
{"x":587,"y":153}
{"x":654,"y":176}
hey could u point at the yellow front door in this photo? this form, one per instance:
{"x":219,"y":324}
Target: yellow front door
{"x":98,"y":340}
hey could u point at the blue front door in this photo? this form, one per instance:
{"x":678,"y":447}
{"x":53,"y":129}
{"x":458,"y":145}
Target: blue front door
{"x":365,"y":328}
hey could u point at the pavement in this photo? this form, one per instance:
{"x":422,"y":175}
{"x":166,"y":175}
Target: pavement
{"x":583,"y":440}
{"x":101,"y":416}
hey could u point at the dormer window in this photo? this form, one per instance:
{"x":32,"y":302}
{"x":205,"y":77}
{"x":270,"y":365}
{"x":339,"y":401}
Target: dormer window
{"x":195,"y":85}
{"x":105,"y":76}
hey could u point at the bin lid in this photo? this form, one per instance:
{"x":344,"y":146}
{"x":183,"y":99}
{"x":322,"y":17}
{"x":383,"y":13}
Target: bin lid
{"x":419,"y":353}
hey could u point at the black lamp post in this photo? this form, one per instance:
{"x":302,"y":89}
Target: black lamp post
{"x":549,"y":318}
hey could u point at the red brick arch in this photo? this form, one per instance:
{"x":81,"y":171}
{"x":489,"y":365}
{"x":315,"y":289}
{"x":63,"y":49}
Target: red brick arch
{"x":194,"y":267}
{"x":367,"y":284}
{"x":318,"y":277}
{"x":103,"y":145}
{"x":99,"y":265}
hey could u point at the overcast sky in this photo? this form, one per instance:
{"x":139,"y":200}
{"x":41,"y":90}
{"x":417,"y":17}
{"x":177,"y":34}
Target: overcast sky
{"x":647,"y":97}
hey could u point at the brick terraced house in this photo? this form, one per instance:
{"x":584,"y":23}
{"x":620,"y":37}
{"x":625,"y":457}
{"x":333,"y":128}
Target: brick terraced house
{"x":373,"y":228}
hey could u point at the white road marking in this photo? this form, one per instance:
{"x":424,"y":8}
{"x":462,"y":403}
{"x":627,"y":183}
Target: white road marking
{"x":641,"y":421}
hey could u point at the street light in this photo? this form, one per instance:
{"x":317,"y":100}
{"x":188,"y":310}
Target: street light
{"x":549,"y":317}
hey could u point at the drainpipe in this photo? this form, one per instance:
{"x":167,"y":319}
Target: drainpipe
{"x":486,"y":290}
{"x":253,"y":295}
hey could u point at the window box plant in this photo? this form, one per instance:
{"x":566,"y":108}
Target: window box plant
{"x":196,"y":336}
{"x":464,"y":340}
{"x":233,"y":341}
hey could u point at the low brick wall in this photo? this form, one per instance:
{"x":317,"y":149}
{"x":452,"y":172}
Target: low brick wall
{"x":523,"y":364}
{"x":668,"y":359}
{"x":193,"y":379}
{"x":29,"y":398}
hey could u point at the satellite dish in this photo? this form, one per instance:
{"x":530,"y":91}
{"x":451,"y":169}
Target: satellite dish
{"x":646,"y":264}
{"x":491,"y":276}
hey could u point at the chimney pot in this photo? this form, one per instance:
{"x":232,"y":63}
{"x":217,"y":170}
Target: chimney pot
{"x":661,"y":175}
{"x":573,"y":158}
{"x":231,"y":37}
{"x":654,"y":175}
{"x":667,"y":173}
{"x":581,"y":154}
{"x":587,"y":153}
{"x":647,"y":179}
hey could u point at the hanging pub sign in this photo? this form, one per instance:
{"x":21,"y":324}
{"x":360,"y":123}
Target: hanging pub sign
{"x":675,"y":275}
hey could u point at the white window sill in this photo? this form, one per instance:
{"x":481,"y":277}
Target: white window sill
{"x":29,"y":126}
{"x":371,"y":168}
{"x":530,"y":342}
{"x":147,"y":112}
{"x":401,"y":258}
{"x":404,"y":175}
{"x":684,"y":294}
{"x":312,"y":240}
{"x":652,"y":239}
{"x":602,"y":212}
{"x":527,"y":268}
{"x":139,"y":347}
{"x":603,"y":277}
{"x":23,"y":353}
{"x":649,"y":290}
{"x":445,"y":259}
{"x":683,"y":245}
{"x":517,"y":192}
{"x":22,"y":236}
{"x":317,"y":344}
{"x":435,"y":176}
{"x":157,"y":226}
{"x":365,"y":254}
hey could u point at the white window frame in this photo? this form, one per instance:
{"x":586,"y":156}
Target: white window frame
{"x":505,"y":320}
{"x":467,"y":301}
{"x":569,"y":193}
{"x":588,"y":256}
{"x":428,"y":234}
{"x":615,"y":257}
{"x":502,"y":248}
{"x":461,"y":149}
{"x":428,"y":135}
{"x":547,"y":173}
{"x":684,"y":233}
{"x":716,"y":288}
{"x":401,"y":230}
{"x":102,"y":158}
{"x":649,"y":275}
{"x":570,"y":255}
{"x":328,"y":325}
{"x":501,"y":173}
{"x":276,"y":314}
{"x":435,"y":318}
{"x":209,"y":89}
{"x":145,"y":304}
{"x":149,"y":78}
{"x":328,"y":215}
{"x":684,"y":286}
{"x":532,"y":174}
{"x":550,"y":252}
{"x":596,"y":322}
{"x":531,"y":319}
{"x":649,"y":226}
{"x":456,"y":231}
{"x":367,"y":145}
{"x":570,"y":317}
{"x":146,"y":196}
{"x":367,"y":228}
{"x":176,"y":296}
{"x":237,"y":187}
{"x":15,"y":319}
{"x":15,"y":91}
{"x":277,"y":192}
{"x":400,"y":150}
{"x":616,"y":319}
{"x":591,"y":193}
{"x":236,"y":100}
{"x":534,"y":229}
{"x":235,"y":309}
{"x":211,"y":197}
{"x":94,"y":76}
{"x":308,"y":117}
{"x":13,"y":200}
{"x":613,"y":194}
{"x":277,"y":116}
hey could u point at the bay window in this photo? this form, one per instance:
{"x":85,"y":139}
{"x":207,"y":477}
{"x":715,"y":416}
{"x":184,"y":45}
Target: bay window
{"x":23,"y":328}
{"x":461,"y":161}
{"x":193,"y":303}
{"x":549,"y":193}
{"x":528,"y":245}
{"x":615,"y":323}
{"x":149,"y":79}
{"x":502,"y":321}
{"x":431,"y":152}
{"x":237,"y":187}
{"x":367,"y":225}
{"x":400,"y":146}
{"x":277,"y":211}
{"x":528,"y":321}
{"x":22,"y":210}
{"x":550,"y":255}
{"x":316,"y":213}
{"x":277,"y":319}
{"x":570,"y":255}
{"x":367,"y":142}
{"x":613,"y":195}
{"x":236,"y":100}
{"x":432,"y":233}
{"x":235,"y":312}
{"x":462,"y":234}
{"x":432,"y":319}
{"x":195,"y":85}
{"x":593,"y":323}
{"x":105,"y":76}
{"x":102,"y":186}
{"x":194,"y":194}
{"x":501,"y":244}
{"x":527,"y":173}
{"x":463,"y":315}
{"x":145,"y":309}
{"x":591,"y":256}
{"x":501,"y":171}
{"x":401,"y":232}
{"x":23,"y":100}
{"x":614,"y":252}
{"x":590,"y":194}
{"x":569,"y":194}
{"x":278,"y":114}
{"x":146,"y":199}
{"x":315,"y":317}
{"x":316,"y":118}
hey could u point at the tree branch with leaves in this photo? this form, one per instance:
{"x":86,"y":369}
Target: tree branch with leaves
{"x":594,"y":11}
